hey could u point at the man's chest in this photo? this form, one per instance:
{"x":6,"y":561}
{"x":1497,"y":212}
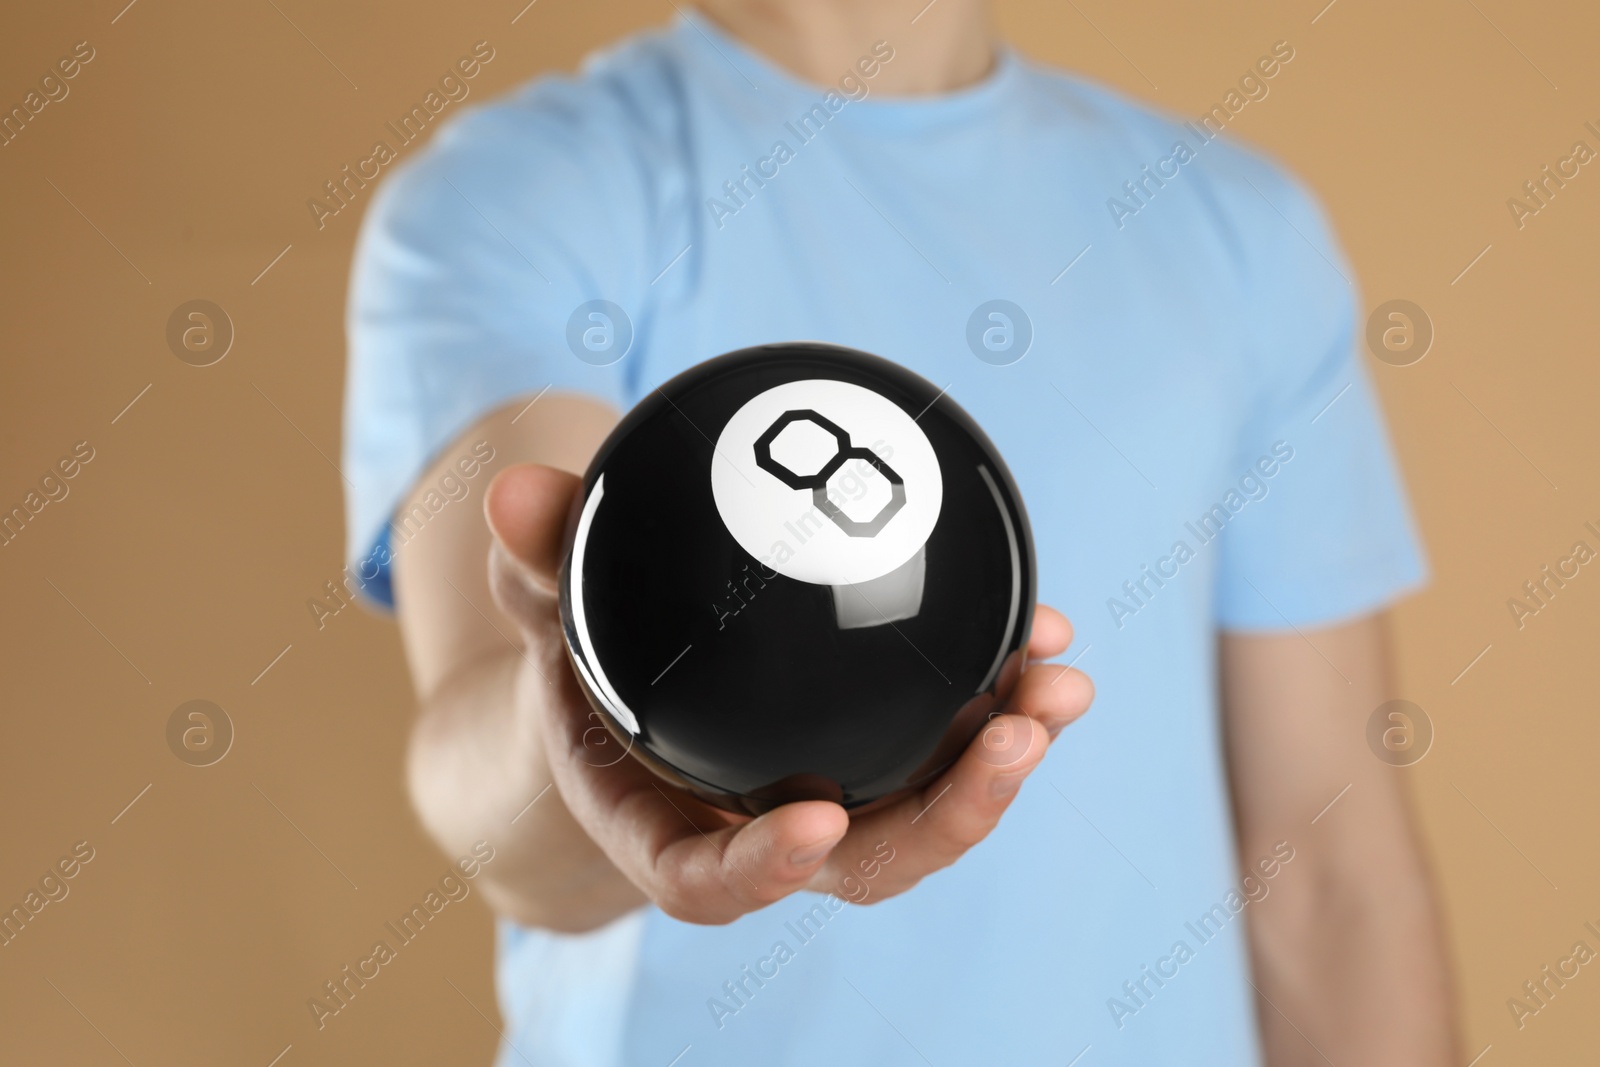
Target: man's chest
{"x":1116,"y":395}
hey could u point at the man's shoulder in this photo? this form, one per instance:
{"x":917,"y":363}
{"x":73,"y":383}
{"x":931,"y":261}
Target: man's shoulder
{"x":589,"y":151}
{"x":620,"y":99}
{"x":1238,"y":182}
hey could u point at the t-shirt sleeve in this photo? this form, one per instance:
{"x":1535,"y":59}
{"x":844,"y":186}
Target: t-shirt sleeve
{"x":1333,"y":538}
{"x":471,"y":261}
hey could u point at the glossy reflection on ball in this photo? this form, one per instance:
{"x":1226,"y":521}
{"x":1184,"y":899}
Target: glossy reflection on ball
{"x":797,"y":571}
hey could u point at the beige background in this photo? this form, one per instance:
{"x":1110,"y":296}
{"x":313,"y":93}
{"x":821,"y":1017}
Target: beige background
{"x":185,"y":553}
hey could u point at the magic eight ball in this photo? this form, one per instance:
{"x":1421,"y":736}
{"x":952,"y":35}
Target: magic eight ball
{"x":797,"y":571}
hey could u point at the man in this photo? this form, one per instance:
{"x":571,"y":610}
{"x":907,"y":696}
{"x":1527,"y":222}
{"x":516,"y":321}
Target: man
{"x":1210,"y":489}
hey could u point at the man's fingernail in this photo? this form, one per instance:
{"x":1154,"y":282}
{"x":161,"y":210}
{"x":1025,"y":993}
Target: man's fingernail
{"x":1005,"y":785}
{"x":806,"y":855}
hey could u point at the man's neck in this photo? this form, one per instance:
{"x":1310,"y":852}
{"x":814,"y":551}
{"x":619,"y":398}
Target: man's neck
{"x":951,"y":44}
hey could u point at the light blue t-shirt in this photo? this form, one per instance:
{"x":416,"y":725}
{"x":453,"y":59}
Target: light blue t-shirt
{"x":1190,"y":425}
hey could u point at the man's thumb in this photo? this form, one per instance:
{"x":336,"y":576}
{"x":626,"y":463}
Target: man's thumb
{"x":526,"y":507}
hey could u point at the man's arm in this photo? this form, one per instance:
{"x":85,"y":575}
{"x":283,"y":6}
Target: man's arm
{"x":476,"y":755}
{"x":1347,"y":948}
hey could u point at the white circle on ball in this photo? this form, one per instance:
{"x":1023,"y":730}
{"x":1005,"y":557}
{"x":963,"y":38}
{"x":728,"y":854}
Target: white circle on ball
{"x":789,"y":529}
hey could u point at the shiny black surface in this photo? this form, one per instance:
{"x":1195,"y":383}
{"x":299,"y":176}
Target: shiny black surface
{"x":744,"y":687}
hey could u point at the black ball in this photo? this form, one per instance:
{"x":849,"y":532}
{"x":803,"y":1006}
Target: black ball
{"x":797,"y":571}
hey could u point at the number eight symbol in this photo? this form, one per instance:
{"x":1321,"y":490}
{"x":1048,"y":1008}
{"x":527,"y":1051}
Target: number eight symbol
{"x":818,"y":482}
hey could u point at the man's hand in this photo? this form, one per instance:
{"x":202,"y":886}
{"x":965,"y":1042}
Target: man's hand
{"x":701,"y":864}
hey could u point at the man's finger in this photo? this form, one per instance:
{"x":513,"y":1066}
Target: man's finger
{"x":696,"y":863}
{"x":1051,"y":633}
{"x":1052,"y":694}
{"x":526,"y":507}
{"x":932,"y":828}
{"x":715,"y":877}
